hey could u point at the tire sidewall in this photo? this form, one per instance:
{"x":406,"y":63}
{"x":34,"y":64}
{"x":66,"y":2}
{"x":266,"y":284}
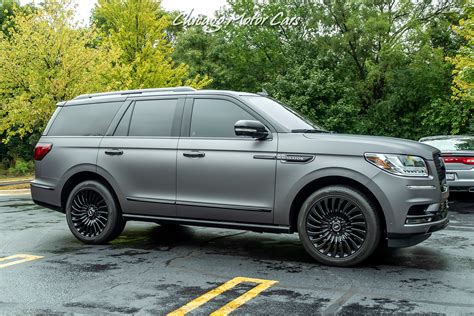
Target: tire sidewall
{"x":113,"y":215}
{"x":368,"y":210}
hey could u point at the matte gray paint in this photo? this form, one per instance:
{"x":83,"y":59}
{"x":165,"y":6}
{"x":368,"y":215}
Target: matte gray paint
{"x":153,"y":178}
{"x":237,"y":178}
{"x":146,"y":169}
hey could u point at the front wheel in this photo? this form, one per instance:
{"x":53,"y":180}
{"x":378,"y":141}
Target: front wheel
{"x":92,"y":214}
{"x":339,"y":226}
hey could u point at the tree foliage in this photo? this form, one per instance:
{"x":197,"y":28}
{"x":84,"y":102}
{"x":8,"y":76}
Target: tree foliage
{"x":463,"y":82}
{"x":45,"y":57}
{"x":365,"y":66}
{"x":385,"y":67}
{"x":44,"y":60}
{"x":138,"y":28}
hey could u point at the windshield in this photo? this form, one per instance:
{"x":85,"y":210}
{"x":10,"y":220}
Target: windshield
{"x":282,"y":114}
{"x":452,"y":144}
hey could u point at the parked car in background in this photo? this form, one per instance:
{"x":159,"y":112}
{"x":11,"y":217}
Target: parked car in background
{"x":234,"y":160}
{"x":458,"y":155}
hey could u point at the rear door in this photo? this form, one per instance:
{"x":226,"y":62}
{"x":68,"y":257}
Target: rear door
{"x":141,"y":155}
{"x":222,"y":176}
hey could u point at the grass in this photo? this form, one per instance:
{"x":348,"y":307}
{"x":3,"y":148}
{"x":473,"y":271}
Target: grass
{"x":15,"y":187}
{"x":12,"y":178}
{"x":7,"y":178}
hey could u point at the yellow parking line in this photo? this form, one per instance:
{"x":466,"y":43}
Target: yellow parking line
{"x":22,"y":258}
{"x":231,"y":306}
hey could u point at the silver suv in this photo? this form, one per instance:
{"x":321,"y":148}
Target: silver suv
{"x":234,"y":160}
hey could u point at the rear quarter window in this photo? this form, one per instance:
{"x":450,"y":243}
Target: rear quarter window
{"x":91,"y":119}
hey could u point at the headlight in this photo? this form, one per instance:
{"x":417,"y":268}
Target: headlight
{"x":402,"y":165}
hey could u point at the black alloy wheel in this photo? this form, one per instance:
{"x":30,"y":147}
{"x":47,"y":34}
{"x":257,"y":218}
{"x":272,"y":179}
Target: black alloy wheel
{"x":93,"y":213}
{"x":339,"y":226}
{"x":89,"y":213}
{"x":336,"y":226}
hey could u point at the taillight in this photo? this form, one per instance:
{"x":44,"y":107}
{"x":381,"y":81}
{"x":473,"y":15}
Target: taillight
{"x":41,"y":150}
{"x":463,"y":160}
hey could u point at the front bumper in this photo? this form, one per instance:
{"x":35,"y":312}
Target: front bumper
{"x":407,"y":240}
{"x":413,"y":207}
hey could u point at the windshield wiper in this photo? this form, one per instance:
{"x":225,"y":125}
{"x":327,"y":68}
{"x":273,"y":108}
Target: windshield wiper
{"x":315,"y":131}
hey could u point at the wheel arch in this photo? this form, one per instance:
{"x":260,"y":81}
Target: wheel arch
{"x":82,"y":176}
{"x":322,"y":182}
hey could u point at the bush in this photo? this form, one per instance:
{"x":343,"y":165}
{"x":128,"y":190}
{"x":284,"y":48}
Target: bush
{"x":21,"y":168}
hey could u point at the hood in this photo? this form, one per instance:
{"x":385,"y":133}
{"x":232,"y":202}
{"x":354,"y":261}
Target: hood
{"x":345,"y":144}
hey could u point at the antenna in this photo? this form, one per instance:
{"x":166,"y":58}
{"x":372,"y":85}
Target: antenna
{"x":263,"y":93}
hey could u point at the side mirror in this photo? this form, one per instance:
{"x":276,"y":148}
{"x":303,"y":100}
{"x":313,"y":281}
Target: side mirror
{"x":254,"y":129}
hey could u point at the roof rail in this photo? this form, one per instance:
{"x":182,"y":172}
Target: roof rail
{"x":138,"y":91}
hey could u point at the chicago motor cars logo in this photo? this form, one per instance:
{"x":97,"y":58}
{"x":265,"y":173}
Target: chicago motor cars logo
{"x":214,"y":24}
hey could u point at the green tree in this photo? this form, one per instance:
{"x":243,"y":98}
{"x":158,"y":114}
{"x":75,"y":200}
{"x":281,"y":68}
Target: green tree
{"x":47,"y":59}
{"x":6,"y":10}
{"x":236,"y":57}
{"x":139,"y":29}
{"x":463,"y":61}
{"x":364,"y":66}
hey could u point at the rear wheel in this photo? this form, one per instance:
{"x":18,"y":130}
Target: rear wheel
{"x":92,"y":214}
{"x":339,"y":226}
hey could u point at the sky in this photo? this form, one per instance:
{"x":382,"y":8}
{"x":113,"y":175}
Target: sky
{"x":206,"y":7}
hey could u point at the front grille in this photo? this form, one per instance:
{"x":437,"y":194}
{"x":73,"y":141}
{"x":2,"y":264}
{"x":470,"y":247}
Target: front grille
{"x":440,"y":169}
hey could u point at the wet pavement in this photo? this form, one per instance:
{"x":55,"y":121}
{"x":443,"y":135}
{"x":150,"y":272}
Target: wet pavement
{"x":154,"y":269}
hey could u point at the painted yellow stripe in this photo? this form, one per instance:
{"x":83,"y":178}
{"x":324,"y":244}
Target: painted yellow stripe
{"x":241,"y":300}
{"x":231,"y":306}
{"x":21,"y":259}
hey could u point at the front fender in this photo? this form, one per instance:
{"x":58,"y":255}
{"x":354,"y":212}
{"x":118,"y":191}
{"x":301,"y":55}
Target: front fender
{"x":292,"y":178}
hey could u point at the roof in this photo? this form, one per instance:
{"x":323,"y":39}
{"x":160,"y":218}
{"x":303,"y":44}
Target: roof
{"x":157,"y":91}
{"x":137,"y":91}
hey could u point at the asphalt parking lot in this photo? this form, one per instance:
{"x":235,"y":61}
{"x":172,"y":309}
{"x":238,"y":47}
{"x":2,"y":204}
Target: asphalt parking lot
{"x":154,"y":269}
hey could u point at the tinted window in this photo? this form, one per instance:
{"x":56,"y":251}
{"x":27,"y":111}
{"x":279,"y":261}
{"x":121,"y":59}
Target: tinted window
{"x":153,"y":118}
{"x":122,"y":128}
{"x":216,"y":118}
{"x":84,"y":120}
{"x":282,"y":114}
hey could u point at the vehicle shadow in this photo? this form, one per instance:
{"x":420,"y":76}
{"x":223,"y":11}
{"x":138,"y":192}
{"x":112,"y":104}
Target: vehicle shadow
{"x":461,"y":202}
{"x":266,"y":248}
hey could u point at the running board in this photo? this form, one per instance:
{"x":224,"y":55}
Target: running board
{"x":217,"y":224}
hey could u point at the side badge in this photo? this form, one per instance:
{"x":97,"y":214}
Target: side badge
{"x":287,"y":158}
{"x":295,"y":158}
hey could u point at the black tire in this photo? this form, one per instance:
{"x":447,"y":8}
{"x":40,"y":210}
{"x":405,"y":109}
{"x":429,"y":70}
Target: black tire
{"x":339,"y":226}
{"x":93,"y":215}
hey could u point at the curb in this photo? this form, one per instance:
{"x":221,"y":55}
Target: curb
{"x":15,"y":192}
{"x":15,"y":182}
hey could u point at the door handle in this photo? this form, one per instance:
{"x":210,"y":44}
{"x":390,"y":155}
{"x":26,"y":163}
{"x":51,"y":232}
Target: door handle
{"x":194,"y":154}
{"x":114,"y":152}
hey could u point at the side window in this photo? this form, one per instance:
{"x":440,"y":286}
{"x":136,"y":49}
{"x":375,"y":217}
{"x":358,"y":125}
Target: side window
{"x":216,"y":118}
{"x":153,"y":117}
{"x":84,"y":120}
{"x":122,"y":128}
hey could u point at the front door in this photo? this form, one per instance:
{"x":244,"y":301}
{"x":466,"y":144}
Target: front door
{"x":220,"y":175}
